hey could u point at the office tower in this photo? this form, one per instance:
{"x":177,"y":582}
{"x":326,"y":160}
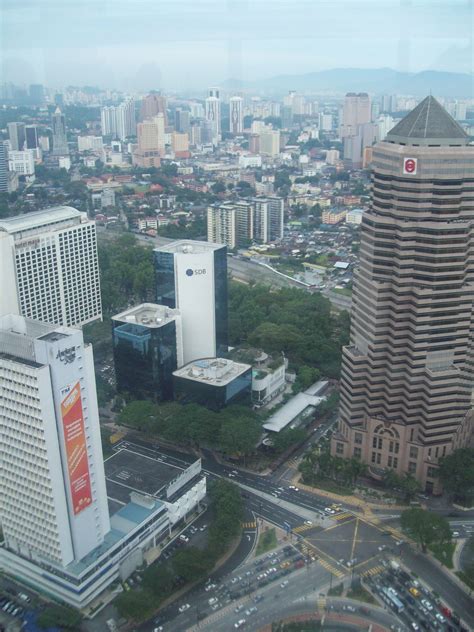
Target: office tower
{"x":60,"y":147}
{"x":196,"y":110}
{"x":16,"y":136}
{"x":389,"y":103}
{"x":37,"y":94}
{"x":269,"y":218}
{"x":191,"y":276}
{"x":153,"y":104}
{"x":213,"y":116}
{"x":180,"y":144}
{"x":3,"y":167}
{"x":356,"y":111}
{"x":31,"y":137}
{"x":236,"y":115}
{"x":195,"y":137}
{"x":23,"y":162}
{"x":270,"y":142}
{"x":50,"y":266}
{"x":151,"y":142}
{"x":325,"y":122}
{"x":407,"y":379}
{"x":53,"y":505}
{"x":182,"y":119}
{"x":107,"y":120}
{"x":147,"y":346}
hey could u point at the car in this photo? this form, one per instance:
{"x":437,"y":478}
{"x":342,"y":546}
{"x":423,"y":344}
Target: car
{"x":258,"y":598}
{"x":158,"y":629}
{"x":239,"y":608}
{"x":212,"y":601}
{"x":414,"y":591}
{"x":329,"y":511}
{"x":209,"y":587}
{"x":239,"y":623}
{"x":184,"y":607}
{"x":455,"y":534}
{"x":284,"y":583}
{"x":215,"y":606}
{"x":203,"y":528}
{"x":184,"y":538}
{"x":415,"y":625}
{"x":427,"y":604}
{"x":440,"y":617}
{"x":308,"y":522}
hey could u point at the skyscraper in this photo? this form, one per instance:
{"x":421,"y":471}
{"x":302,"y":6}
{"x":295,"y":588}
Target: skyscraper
{"x":31,"y":137}
{"x":222,"y":224}
{"x":50,"y":269}
{"x":60,"y":147}
{"x":53,"y":505}
{"x":16,"y":136}
{"x":213,"y":113}
{"x":151,"y":142}
{"x":236,"y":115}
{"x":356,"y":111}
{"x":407,"y":378}
{"x":191,"y":276}
{"x":119,"y":121}
{"x":182,"y":119}
{"x":153,"y":104}
{"x":3,"y":167}
{"x":268,"y":218}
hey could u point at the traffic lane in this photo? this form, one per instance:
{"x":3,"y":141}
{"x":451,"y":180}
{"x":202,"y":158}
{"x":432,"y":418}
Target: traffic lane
{"x":441,"y":583}
{"x":270,"y":511}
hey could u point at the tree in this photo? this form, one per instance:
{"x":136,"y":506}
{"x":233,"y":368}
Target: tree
{"x":135,"y":604}
{"x":456,"y":472}
{"x":158,"y":580}
{"x":425,"y":527}
{"x":239,"y":434}
{"x":139,"y":414}
{"x":218,"y":187}
{"x":191,"y":564}
{"x":57,"y":615}
{"x":286,"y":438}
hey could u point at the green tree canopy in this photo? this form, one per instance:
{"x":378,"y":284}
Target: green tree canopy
{"x":62,"y":616}
{"x":135,"y":604}
{"x":425,"y":527}
{"x":191,"y":563}
{"x":456,"y":472}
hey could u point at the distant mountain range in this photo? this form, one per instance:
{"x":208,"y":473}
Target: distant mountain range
{"x":375,"y":81}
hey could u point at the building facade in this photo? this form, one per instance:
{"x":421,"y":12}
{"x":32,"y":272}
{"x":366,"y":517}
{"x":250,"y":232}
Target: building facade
{"x":50,"y":269}
{"x":236,"y":115}
{"x":407,"y":379}
{"x":147,"y":347}
{"x":53,"y":505}
{"x":22,"y":162}
{"x":60,"y":146}
{"x":16,"y":136}
{"x":213,"y":113}
{"x":119,"y":121}
{"x":191,"y":276}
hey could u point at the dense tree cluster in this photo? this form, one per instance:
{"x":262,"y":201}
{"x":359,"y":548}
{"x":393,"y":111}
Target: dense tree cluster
{"x":456,"y":472}
{"x":406,"y":485}
{"x":291,"y":321}
{"x":126,"y":273}
{"x":189,"y":564}
{"x":425,"y":527}
{"x":234,"y":430}
{"x":56,"y":615}
{"x":319,"y":466}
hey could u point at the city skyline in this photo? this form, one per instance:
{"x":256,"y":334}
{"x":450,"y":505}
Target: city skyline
{"x":234,"y":40}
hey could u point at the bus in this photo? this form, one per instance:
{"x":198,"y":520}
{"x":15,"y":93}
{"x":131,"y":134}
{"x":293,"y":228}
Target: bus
{"x":390,"y":597}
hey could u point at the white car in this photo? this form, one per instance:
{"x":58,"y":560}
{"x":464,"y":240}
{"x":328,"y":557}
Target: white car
{"x":415,"y":626}
{"x":184,"y":538}
{"x":328,"y":510}
{"x":308,"y":522}
{"x":239,"y":623}
{"x":184,"y":607}
{"x":427,"y":604}
{"x":440,"y":617}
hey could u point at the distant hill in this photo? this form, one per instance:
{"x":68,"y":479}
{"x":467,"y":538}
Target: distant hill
{"x":376,"y":80}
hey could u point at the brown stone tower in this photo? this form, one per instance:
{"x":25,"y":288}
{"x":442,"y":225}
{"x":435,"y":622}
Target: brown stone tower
{"x":407,"y":376}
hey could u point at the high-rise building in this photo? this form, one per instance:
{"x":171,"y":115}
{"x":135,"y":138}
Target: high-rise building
{"x":151,"y":142}
{"x":236,"y":115}
{"x":53,"y":501}
{"x":180,"y":144}
{"x":213,"y":113}
{"x":147,"y":345}
{"x":270,"y":142}
{"x":191,"y":276}
{"x":222,"y":225}
{"x":16,"y":136}
{"x":23,"y":162}
{"x":37,"y":94}
{"x":3,"y":167}
{"x":31,"y":137}
{"x":60,"y":147}
{"x":50,"y":269}
{"x":356,"y":111}
{"x":268,"y":218}
{"x":153,"y":104}
{"x":407,"y":380}
{"x":119,"y":121}
{"x":182,"y":121}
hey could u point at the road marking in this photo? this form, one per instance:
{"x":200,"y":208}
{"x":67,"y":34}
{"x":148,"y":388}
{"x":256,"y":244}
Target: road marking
{"x":321,"y":603}
{"x":342,"y":516}
{"x":329,"y":567}
{"x":373,"y":571}
{"x":249,"y":525}
{"x":303,"y":527}
{"x":354,"y":539}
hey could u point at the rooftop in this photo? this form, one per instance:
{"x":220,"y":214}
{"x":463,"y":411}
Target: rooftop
{"x":429,"y":121}
{"x":215,"y":371}
{"x":37,"y":219}
{"x":188,"y":246}
{"x":296,"y":406}
{"x":148,"y":314}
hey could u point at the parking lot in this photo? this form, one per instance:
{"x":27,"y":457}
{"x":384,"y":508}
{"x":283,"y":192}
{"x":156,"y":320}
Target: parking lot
{"x":412,"y":601}
{"x":351,"y":543}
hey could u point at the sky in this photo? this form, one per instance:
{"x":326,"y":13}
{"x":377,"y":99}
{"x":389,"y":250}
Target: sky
{"x":179,"y":45}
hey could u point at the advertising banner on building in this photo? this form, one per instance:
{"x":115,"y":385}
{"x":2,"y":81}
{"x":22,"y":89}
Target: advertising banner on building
{"x":76,"y":452}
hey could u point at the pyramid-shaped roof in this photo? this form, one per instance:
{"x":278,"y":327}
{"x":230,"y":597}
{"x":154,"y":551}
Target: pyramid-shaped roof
{"x":429,"y":121}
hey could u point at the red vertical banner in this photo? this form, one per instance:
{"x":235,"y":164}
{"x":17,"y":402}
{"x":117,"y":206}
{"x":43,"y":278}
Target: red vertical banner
{"x":76,"y":450}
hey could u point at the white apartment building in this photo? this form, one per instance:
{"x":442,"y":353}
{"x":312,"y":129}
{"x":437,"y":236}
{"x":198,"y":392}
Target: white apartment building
{"x":50,"y":270}
{"x":88,"y":143}
{"x":236,"y":114}
{"x":119,"y":121}
{"x":270,"y":142}
{"x":53,"y":501}
{"x":222,"y":225}
{"x":22,"y":162}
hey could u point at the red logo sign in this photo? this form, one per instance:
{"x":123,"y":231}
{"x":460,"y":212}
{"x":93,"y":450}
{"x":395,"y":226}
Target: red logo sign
{"x":76,"y":451}
{"x":410,"y":166}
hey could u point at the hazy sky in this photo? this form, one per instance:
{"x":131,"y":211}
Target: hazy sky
{"x":180,"y":44}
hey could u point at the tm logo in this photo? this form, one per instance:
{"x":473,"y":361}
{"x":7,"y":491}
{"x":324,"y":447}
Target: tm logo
{"x":190,"y":272}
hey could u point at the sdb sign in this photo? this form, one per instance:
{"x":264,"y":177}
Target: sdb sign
{"x":190,"y":272}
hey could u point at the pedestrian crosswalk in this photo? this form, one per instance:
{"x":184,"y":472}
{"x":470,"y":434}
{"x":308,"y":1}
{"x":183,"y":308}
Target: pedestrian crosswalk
{"x":303,"y":527}
{"x":249,"y":525}
{"x":309,"y":550}
{"x":343,"y":516}
{"x":375,"y":570}
{"x":321,"y":603}
{"x":332,"y":569}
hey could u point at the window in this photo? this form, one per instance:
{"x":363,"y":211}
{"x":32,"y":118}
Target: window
{"x":397,"y":447}
{"x":389,"y":461}
{"x":395,"y":462}
{"x":431,"y":472}
{"x":379,"y":457}
{"x":374,"y":454}
{"x":339,"y":448}
{"x":413,"y":452}
{"x":411,"y":467}
{"x":374,"y":442}
{"x":390,"y":447}
{"x":357,"y":453}
{"x":412,"y":433}
{"x":358,"y":438}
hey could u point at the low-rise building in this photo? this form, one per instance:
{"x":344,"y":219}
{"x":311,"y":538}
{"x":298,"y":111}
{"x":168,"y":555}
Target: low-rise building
{"x":333,"y":216}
